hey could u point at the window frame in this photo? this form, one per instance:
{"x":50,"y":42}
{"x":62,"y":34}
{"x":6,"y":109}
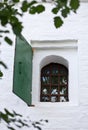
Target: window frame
{"x":58,"y":51}
{"x":50,"y":87}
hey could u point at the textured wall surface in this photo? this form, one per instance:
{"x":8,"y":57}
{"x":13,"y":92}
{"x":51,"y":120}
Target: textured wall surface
{"x":40,"y":27}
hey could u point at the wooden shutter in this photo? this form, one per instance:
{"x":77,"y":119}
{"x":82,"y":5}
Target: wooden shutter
{"x":22,"y":80}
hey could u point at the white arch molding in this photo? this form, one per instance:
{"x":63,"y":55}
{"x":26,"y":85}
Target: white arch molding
{"x":55,"y":59}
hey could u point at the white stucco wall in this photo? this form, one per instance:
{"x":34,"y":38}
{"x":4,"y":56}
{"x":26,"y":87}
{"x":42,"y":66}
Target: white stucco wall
{"x":40,"y":27}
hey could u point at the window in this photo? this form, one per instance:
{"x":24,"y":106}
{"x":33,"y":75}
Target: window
{"x":54,"y":83}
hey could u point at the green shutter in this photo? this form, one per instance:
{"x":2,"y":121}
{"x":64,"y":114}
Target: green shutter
{"x":22,"y":80}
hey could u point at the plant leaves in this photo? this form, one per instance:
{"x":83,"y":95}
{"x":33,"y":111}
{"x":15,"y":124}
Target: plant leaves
{"x":4,"y":20}
{"x":16,"y":25}
{"x":8,"y":40}
{"x":37,"y":9}
{"x":9,"y":113}
{"x":40,"y":9}
{"x":61,"y":3}
{"x":58,"y":22}
{"x":17,"y":28}
{"x":25,"y":6}
{"x":15,"y":1}
{"x":32,"y":10}
{"x":4,"y":117}
{"x":74,"y":4}
{"x":1,"y":74}
{"x":1,"y":5}
{"x":55,"y":10}
{"x":65,"y":12}
{"x":32,"y":3}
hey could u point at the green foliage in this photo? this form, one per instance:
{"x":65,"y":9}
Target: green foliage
{"x":9,"y":41}
{"x":16,"y":1}
{"x":58,"y":22}
{"x":32,"y":10}
{"x":62,"y":9}
{"x":9,"y":13}
{"x":55,"y":10}
{"x":1,"y":74}
{"x":25,"y":6}
{"x":40,"y":9}
{"x":74,"y":5}
{"x":37,"y":9}
{"x":18,"y":120}
{"x":65,"y":12}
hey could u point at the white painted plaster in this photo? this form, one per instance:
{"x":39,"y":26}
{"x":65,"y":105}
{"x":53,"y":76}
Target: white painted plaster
{"x":41,"y":28}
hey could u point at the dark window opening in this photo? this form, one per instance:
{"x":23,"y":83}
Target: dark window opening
{"x":54,"y":83}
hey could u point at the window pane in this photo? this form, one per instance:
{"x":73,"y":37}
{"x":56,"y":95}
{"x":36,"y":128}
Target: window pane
{"x":63,"y":90}
{"x":54,"y":90}
{"x":63,"y":99}
{"x":54,"y":98}
{"x":45,"y":79}
{"x":63,"y":80}
{"x":45,"y":99}
{"x":54,"y":79}
{"x":63,"y":70}
{"x":54,"y":70}
{"x":45,"y":90}
{"x":46,"y":71}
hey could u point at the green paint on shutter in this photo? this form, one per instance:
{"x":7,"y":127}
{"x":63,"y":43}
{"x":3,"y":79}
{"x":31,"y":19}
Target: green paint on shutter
{"x":22,"y":81}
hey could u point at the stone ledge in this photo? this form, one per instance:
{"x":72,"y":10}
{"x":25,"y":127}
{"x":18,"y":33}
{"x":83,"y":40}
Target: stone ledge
{"x":48,"y":44}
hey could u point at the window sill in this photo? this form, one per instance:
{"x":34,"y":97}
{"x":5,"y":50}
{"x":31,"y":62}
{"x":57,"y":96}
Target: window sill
{"x":55,"y":104}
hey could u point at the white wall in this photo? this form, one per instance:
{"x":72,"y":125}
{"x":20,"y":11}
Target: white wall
{"x":40,"y":27}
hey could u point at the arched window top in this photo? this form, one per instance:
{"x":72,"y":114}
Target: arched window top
{"x":54,"y":83}
{"x":53,"y":59}
{"x":54,"y":68}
